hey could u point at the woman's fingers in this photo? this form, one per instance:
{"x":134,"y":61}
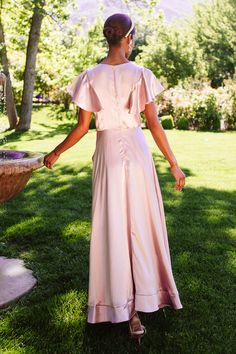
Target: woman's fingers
{"x":180,"y":182}
{"x":47,"y":163}
{"x":49,"y":160}
{"x":178,"y":186}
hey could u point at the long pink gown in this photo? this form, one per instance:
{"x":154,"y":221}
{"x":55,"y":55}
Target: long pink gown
{"x":129,"y":263}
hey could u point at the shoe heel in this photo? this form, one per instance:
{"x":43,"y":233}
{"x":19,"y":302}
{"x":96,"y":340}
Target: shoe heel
{"x":137,"y":335}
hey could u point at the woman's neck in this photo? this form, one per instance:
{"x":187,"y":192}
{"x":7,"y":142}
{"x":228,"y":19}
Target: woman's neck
{"x":115,"y":57}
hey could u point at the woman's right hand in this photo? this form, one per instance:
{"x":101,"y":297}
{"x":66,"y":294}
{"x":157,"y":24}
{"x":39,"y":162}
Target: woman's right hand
{"x":179,"y":177}
{"x":50,"y":159}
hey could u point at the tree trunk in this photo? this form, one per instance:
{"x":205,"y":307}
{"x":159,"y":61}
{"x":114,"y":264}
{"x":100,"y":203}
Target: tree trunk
{"x":29,"y":73}
{"x":10,"y":104}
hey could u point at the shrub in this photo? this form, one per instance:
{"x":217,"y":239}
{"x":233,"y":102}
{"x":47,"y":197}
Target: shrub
{"x":203,"y":106}
{"x":166,"y":107}
{"x":182,"y":117}
{"x":231,"y":119}
{"x":167,"y":122}
{"x":227,"y":103}
{"x":207,"y":113}
{"x":182,"y":123}
{"x":61,"y":113}
{"x":92,"y":124}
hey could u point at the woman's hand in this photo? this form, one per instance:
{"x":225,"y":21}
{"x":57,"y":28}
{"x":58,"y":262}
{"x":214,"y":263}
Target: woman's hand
{"x":179,"y":177}
{"x":50,"y":159}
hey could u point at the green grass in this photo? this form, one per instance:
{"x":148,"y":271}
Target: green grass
{"x":48,"y":226}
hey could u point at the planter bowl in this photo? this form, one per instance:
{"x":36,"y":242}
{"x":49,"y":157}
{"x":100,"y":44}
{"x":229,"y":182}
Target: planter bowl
{"x":16,"y":168}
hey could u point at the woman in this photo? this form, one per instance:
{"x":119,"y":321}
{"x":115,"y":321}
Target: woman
{"x":130,"y":265}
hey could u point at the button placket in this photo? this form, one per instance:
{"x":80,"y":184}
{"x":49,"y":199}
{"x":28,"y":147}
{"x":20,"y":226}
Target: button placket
{"x":122,"y":139}
{"x":117,"y":108}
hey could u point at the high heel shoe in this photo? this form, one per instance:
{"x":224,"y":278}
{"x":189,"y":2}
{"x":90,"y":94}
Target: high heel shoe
{"x":137,"y":330}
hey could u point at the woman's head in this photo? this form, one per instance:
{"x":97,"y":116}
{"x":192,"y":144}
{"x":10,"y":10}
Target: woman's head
{"x":119,"y":29}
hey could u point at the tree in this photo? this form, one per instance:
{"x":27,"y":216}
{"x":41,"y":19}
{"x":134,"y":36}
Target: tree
{"x":29,"y":73}
{"x":65,"y":52}
{"x":170,"y":52}
{"x":10,"y":104}
{"x":214,"y":29}
{"x":57,"y":10}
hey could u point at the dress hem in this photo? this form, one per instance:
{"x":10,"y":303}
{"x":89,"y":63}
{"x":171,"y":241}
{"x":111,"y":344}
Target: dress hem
{"x":115,"y":314}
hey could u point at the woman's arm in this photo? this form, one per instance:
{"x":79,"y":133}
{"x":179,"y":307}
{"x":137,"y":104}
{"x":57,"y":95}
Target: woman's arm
{"x":158,"y":132}
{"x":160,"y":138}
{"x":72,"y":138}
{"x":77,"y":132}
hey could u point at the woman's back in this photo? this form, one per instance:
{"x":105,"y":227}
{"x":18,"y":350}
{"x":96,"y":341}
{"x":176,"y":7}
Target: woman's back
{"x":115,"y":93}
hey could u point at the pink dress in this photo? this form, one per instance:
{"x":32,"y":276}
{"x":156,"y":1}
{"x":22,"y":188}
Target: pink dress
{"x":129,"y":263}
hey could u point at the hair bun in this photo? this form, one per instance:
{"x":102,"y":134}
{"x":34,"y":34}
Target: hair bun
{"x":109,"y":31}
{"x":115,"y":28}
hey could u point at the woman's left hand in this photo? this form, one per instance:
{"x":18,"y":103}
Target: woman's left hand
{"x":50,"y":159}
{"x":179,"y":177}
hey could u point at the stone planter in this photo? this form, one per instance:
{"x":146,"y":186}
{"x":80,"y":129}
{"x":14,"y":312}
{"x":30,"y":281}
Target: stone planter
{"x":16,"y":168}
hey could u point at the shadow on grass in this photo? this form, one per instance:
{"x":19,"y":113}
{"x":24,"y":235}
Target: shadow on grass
{"x":61,"y":126}
{"x":48,"y":225}
{"x":46,"y":110}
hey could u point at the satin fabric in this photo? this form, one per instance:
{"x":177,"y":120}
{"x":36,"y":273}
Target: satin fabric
{"x":115,"y":93}
{"x":129,"y":260}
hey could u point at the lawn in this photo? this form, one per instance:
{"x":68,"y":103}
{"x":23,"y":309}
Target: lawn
{"x":48,"y":226}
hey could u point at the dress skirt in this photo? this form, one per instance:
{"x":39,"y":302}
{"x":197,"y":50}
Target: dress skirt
{"x":129,"y":261}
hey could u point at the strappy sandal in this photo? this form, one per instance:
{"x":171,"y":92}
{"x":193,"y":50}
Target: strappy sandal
{"x":136,"y":329}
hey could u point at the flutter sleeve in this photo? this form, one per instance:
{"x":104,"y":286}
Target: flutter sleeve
{"x":83,"y":94}
{"x":144,"y":91}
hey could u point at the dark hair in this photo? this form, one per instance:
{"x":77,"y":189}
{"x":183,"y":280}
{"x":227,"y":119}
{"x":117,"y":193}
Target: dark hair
{"x":115,"y":28}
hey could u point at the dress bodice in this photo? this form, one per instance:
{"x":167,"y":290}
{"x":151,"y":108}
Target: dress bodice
{"x":115,"y":93}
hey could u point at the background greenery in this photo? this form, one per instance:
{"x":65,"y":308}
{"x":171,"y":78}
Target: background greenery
{"x":194,"y":58}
